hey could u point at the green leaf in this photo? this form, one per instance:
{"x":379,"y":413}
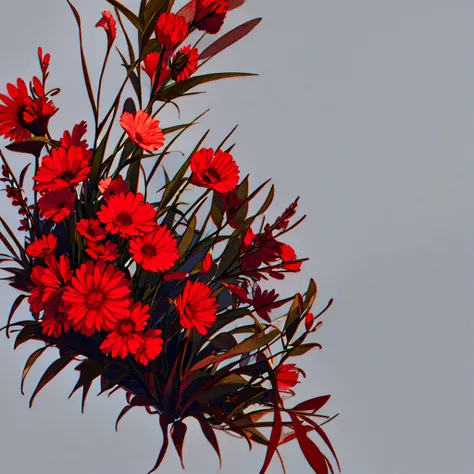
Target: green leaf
{"x":130,"y":15}
{"x":187,"y":238}
{"x":303,"y":349}
{"x":152,"y":10}
{"x":293,"y":317}
{"x":217,"y":209}
{"x":310,"y":295}
{"x":229,"y":256}
{"x":178,"y":89}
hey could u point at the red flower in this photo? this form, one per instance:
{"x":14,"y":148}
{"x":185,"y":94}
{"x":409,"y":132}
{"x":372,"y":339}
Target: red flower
{"x":210,"y":15}
{"x":108,"y":23}
{"x":156,"y":251}
{"x":111,"y":187}
{"x":57,"y":205}
{"x":265,"y":301}
{"x":91,"y":229}
{"x":261,"y":248}
{"x":151,"y":347}
{"x":128,"y":215}
{"x":309,"y":321}
{"x":108,"y":251}
{"x":76,"y":137}
{"x":287,"y":254}
{"x":42,"y":247}
{"x":184,"y":63}
{"x":21,"y":115}
{"x":196,"y":306}
{"x":127,"y":332}
{"x":282,"y":222}
{"x":206,"y":263}
{"x":171,"y":30}
{"x":143,"y":130}
{"x":97,"y":295}
{"x":55,"y":322}
{"x":287,"y":376}
{"x":150,"y":66}
{"x":217,"y":171}
{"x":63,"y":169}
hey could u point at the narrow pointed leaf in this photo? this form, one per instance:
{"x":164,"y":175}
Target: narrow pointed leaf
{"x":314,"y":404}
{"x":129,"y":14}
{"x":13,"y":309}
{"x":164,"y":447}
{"x":178,"y":432}
{"x":29,"y":363}
{"x":208,"y":432}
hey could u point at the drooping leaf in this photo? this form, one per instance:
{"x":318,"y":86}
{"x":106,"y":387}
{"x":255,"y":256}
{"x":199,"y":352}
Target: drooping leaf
{"x":178,"y":432}
{"x":230,"y":38}
{"x":30,"y":331}
{"x":314,"y":404}
{"x":210,"y":436}
{"x":235,"y":4}
{"x":164,"y":447}
{"x":276,"y":430}
{"x":303,"y":349}
{"x":188,"y":237}
{"x":29,"y":364}
{"x":30,"y":146}
{"x":13,"y":309}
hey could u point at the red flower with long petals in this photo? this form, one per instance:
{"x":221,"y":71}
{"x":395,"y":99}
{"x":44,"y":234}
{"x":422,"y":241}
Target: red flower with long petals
{"x":128,"y":215}
{"x":91,"y":229}
{"x":150,"y":66}
{"x":196,"y":306}
{"x":151,"y":347}
{"x":55,"y":322}
{"x":62,"y":169}
{"x":108,"y":23}
{"x":210,"y":15}
{"x":55,"y":277}
{"x":42,"y":247}
{"x":111,"y":187}
{"x":184,"y":63}
{"x":156,"y":251}
{"x":206,"y":263}
{"x":265,"y":301}
{"x":288,"y":255}
{"x":76,"y":138}
{"x":126,"y":336}
{"x":96,"y":297}
{"x":57,"y":205}
{"x":107,"y":251}
{"x":171,"y":30}
{"x":143,"y":130}
{"x":217,"y":171}
{"x":287,"y":376}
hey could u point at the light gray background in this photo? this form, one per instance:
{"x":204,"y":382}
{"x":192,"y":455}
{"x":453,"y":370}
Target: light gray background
{"x":366,"y":110}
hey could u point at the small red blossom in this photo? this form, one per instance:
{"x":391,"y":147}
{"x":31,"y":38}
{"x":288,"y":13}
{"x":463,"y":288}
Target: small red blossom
{"x":287,"y":376}
{"x":266,"y":301}
{"x":126,"y":336}
{"x":150,"y":66}
{"x":309,"y":321}
{"x":55,"y":277}
{"x":57,"y":205}
{"x":128,"y":215}
{"x":76,"y":138}
{"x":151,"y":347}
{"x":107,"y":251}
{"x":111,"y":187}
{"x":196,"y":306}
{"x":108,"y":23}
{"x":171,"y":30}
{"x":44,"y":246}
{"x":206,"y":263}
{"x":96,"y":296}
{"x":55,"y":322}
{"x":217,"y":171}
{"x":261,"y":248}
{"x":43,"y":60}
{"x":281,"y":223}
{"x":210,"y":15}
{"x":288,"y":255}
{"x":184,"y":63}
{"x":91,"y":229}
{"x":156,"y":251}
{"x":143,"y":130}
{"x":62,"y":169}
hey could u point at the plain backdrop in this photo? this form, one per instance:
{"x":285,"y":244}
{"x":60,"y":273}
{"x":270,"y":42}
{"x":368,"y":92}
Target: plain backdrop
{"x":364,"y":109}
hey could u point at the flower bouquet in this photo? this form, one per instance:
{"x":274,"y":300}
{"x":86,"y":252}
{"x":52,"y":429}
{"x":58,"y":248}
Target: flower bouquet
{"x":160,"y":298}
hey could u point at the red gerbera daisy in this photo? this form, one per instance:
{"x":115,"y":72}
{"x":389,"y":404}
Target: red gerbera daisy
{"x":57,"y":205}
{"x":91,"y":229}
{"x":108,"y":23}
{"x":184,"y":63}
{"x":63,"y":169}
{"x":156,"y":251}
{"x":55,"y":276}
{"x":143,"y":130}
{"x":55,"y":322}
{"x":151,"y":347}
{"x":76,"y":137}
{"x":12,"y":124}
{"x":171,"y":30}
{"x":42,"y":247}
{"x":97,"y":295}
{"x":150,"y":66}
{"x":196,"y":306}
{"x":127,"y":332}
{"x":111,"y":187}
{"x":218,"y":171}
{"x":127,"y":215}
{"x":210,"y":15}
{"x":108,"y":251}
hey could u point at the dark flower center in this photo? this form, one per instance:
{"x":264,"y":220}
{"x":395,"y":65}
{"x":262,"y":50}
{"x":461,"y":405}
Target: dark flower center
{"x":149,"y":250}
{"x":124,"y":219}
{"x":139,"y":137}
{"x":179,"y":64}
{"x":95,"y":299}
{"x":211,"y":176}
{"x":127,"y":326}
{"x":67,"y":176}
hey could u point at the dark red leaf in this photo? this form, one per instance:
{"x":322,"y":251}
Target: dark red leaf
{"x":13,"y":309}
{"x":178,"y":432}
{"x":314,"y":404}
{"x":210,"y":436}
{"x":124,"y":411}
{"x":29,"y":363}
{"x":230,"y":38}
{"x":276,"y":430}
{"x":235,"y":4}
{"x":164,"y":447}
